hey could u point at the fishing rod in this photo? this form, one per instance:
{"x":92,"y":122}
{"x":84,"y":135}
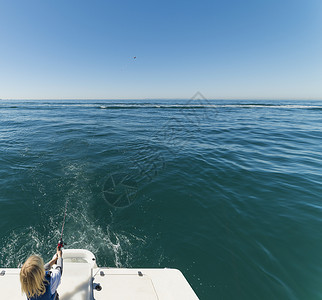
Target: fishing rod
{"x":60,"y":242}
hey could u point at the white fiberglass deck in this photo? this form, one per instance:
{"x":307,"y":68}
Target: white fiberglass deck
{"x":81,"y":275}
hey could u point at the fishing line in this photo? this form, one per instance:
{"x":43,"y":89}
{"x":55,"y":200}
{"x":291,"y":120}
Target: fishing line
{"x":60,"y":242}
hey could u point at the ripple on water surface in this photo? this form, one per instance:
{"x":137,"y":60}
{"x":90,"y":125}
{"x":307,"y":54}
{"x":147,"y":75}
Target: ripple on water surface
{"x":228,"y":192}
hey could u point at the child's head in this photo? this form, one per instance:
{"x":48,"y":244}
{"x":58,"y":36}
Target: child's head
{"x":32,"y":276}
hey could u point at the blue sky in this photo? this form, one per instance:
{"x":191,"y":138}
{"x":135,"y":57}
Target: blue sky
{"x":228,"y":49}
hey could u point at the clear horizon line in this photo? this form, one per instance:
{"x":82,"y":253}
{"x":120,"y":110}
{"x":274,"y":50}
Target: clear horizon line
{"x":164,"y":98}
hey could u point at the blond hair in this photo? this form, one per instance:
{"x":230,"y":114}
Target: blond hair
{"x":32,"y":277}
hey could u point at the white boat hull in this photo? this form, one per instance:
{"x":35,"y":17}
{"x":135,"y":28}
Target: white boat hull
{"x":83,"y":280}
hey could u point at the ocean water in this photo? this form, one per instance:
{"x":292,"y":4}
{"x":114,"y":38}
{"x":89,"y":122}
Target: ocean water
{"x":229,"y":192}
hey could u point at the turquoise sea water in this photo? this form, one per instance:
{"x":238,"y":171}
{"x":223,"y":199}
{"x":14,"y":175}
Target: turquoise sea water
{"x":229,"y":192}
